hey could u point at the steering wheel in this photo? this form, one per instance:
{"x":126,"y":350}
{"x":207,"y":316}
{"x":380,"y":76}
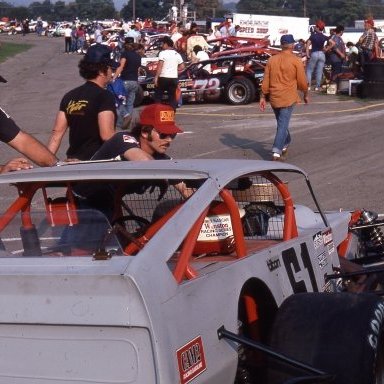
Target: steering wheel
{"x":138,"y":243}
{"x":125,"y":235}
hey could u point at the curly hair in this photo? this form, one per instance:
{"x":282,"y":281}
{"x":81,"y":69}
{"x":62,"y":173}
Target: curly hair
{"x":90,"y":71}
{"x":138,"y":128}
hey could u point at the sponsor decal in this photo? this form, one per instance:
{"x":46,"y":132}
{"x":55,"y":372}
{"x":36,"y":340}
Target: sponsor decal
{"x":331,"y":247}
{"x":327,"y":237}
{"x":322,"y":259}
{"x":129,"y":139}
{"x":191,"y":360}
{"x":317,"y":240}
{"x":185,"y":83}
{"x":167,"y":116}
{"x":216,"y":227}
{"x":273,"y":263}
{"x":328,"y":287}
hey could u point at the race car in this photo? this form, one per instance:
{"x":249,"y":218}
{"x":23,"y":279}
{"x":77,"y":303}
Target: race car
{"x":238,"y":283}
{"x":235,"y":78}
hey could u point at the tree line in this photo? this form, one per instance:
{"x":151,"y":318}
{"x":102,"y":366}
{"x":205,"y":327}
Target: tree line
{"x":333,"y":12}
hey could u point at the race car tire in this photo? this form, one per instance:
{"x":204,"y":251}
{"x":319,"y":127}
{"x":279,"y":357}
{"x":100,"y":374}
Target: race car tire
{"x":371,"y":89}
{"x":240,"y":91}
{"x":139,"y":97}
{"x":338,"y":333}
{"x":373,"y":71}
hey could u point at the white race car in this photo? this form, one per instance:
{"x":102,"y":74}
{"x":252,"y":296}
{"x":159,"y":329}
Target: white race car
{"x":108,"y":275}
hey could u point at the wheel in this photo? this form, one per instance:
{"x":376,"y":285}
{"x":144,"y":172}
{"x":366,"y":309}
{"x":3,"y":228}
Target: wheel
{"x":373,"y":71}
{"x":338,"y":333}
{"x":139,"y":97}
{"x":372,"y":89}
{"x":240,"y":91}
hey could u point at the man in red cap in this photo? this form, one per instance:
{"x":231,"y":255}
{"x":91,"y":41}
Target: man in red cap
{"x":149,"y":139}
{"x":315,"y":49}
{"x":369,"y":43}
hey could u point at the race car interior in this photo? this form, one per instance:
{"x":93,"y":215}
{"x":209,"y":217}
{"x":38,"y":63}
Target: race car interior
{"x":251,"y":213}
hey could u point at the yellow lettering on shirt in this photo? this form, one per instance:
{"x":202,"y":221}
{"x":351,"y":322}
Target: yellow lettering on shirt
{"x":76,"y":106}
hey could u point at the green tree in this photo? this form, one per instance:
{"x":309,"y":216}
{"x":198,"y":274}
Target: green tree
{"x":44,"y":10}
{"x":205,"y":8}
{"x":260,"y":7}
{"x":145,"y":9}
{"x":18,"y":13}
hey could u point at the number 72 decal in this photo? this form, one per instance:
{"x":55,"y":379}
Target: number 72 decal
{"x":212,"y":83}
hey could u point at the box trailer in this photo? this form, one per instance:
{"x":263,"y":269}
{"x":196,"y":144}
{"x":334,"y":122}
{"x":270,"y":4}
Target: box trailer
{"x":271,"y":27}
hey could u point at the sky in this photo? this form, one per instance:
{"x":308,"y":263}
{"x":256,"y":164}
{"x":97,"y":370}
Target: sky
{"x":118,"y":3}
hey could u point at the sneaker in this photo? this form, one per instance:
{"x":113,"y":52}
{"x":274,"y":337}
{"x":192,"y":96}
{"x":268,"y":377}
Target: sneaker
{"x":276,"y":157}
{"x":317,"y":89}
{"x":285,"y":150}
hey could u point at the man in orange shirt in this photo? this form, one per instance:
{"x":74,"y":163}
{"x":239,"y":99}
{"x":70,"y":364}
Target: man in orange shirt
{"x":284,"y":75}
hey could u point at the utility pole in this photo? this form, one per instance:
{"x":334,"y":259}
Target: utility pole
{"x":305,"y":8}
{"x":134,"y":10}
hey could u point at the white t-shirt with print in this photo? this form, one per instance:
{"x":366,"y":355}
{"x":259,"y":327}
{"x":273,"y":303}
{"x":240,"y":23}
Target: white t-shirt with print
{"x":171,"y":60}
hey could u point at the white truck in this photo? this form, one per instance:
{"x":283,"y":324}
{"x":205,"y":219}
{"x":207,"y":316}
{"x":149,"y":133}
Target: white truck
{"x":271,"y":27}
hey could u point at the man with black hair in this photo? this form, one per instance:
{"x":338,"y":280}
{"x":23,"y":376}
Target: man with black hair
{"x":88,"y":111}
{"x":166,"y":78}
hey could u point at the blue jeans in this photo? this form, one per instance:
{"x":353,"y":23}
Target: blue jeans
{"x":282,"y":138}
{"x":131,"y":87}
{"x":316,"y":63}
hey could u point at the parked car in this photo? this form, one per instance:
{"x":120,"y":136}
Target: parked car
{"x":239,"y":283}
{"x":236,"y":79}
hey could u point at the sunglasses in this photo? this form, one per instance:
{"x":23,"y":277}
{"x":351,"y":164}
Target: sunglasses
{"x":164,"y":136}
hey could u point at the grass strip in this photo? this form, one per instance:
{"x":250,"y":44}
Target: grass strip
{"x":11,"y":49}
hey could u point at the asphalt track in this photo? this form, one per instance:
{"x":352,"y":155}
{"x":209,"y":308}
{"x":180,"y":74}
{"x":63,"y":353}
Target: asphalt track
{"x":338,"y":140}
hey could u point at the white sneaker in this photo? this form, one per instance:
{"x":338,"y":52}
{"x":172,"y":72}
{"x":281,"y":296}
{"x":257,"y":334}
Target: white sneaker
{"x":276,"y":157}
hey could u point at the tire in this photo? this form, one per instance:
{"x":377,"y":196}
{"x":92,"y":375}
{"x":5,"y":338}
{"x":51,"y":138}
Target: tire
{"x":381,"y":43}
{"x":374,"y":72}
{"x":338,"y":333}
{"x":371,"y":89}
{"x":239,"y":91}
{"x":139,"y":97}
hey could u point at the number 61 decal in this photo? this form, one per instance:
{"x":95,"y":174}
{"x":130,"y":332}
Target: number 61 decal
{"x":292,"y":266}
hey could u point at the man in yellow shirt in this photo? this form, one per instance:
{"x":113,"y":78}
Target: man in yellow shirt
{"x":284,"y":75}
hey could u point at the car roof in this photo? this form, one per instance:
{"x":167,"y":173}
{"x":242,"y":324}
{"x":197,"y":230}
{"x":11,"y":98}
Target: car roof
{"x":222,"y":170}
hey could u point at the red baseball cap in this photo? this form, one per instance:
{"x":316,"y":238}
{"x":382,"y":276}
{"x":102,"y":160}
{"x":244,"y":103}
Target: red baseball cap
{"x":370,"y":22}
{"x":320,"y":24}
{"x":161,"y":117}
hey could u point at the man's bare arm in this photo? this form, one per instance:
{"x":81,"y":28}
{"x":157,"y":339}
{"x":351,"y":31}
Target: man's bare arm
{"x":33,"y":149}
{"x":106,"y":120}
{"x":58,"y":131}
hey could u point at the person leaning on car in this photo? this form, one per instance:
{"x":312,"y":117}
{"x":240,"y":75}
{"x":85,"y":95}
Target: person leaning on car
{"x":88,"y":111}
{"x":284,"y":74}
{"x":26,"y":144}
{"x":149,"y":139}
